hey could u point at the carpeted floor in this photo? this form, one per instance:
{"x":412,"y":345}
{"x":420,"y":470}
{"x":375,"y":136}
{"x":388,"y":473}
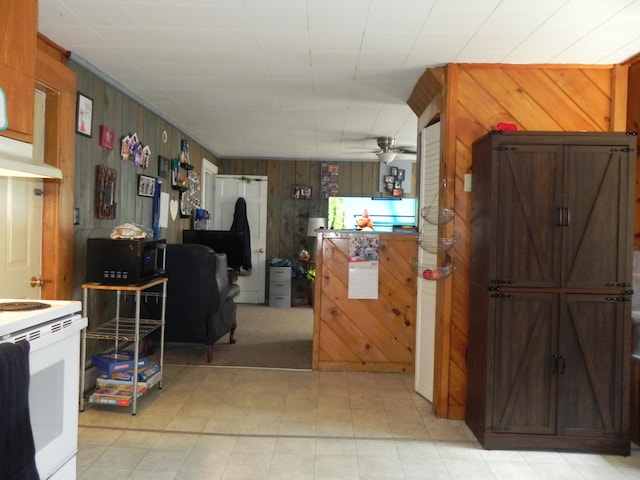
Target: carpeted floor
{"x":265,"y":337}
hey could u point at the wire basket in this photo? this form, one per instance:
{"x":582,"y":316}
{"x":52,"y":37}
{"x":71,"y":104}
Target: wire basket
{"x":436,"y":245}
{"x":432,"y":272}
{"x":437,"y":215}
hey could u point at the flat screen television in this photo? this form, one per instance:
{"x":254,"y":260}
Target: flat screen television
{"x":221,"y":241}
{"x":385,"y":212}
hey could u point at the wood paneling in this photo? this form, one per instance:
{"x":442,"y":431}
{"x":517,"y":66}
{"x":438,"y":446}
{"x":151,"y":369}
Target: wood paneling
{"x":59,"y":85}
{"x":477,"y":98}
{"x":373,"y":335}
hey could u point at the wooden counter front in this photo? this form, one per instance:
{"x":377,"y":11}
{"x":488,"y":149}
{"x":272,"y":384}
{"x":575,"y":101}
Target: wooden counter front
{"x":376,"y":335}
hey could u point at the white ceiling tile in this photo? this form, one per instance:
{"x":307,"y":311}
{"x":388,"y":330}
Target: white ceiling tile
{"x":282,"y":40}
{"x":333,"y":19}
{"x":157,"y":16}
{"x":220,"y":17}
{"x":279,"y":19}
{"x":335,"y":41}
{"x":397,"y":19}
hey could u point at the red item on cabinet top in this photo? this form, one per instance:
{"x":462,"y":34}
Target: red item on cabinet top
{"x":506,"y":127}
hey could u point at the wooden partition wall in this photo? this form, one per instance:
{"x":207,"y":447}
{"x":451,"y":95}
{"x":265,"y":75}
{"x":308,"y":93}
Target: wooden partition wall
{"x":472,"y":100}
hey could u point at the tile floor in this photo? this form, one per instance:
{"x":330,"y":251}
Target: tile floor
{"x":236,"y":424}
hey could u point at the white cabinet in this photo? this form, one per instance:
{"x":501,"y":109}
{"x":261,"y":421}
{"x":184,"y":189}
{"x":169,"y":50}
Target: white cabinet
{"x":280,"y":287}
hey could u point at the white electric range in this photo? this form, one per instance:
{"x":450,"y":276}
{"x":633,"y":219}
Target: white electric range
{"x":52,"y":328}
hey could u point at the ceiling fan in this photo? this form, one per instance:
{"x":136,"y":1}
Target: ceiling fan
{"x":389,"y":151}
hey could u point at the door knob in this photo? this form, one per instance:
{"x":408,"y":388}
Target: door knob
{"x":261,"y":250}
{"x":36,"y":282}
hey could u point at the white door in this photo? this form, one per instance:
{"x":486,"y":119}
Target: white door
{"x":426,"y":311}
{"x":228,"y":188}
{"x":21,"y":222}
{"x":207,"y":182}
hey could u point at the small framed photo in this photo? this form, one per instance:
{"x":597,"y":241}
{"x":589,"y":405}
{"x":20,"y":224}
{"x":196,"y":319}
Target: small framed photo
{"x":389,"y":179}
{"x":400,"y":175}
{"x":107,"y":136}
{"x":394,"y":171}
{"x":146,"y":186}
{"x":301,"y":192}
{"x":84,"y":115}
{"x":397,"y":184}
{"x":397,"y":192}
{"x":164,"y":166}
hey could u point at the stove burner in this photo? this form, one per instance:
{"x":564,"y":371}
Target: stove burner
{"x":22,"y":306}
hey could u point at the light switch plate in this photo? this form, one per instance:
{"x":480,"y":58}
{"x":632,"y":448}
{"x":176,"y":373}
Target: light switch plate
{"x":467,"y":182}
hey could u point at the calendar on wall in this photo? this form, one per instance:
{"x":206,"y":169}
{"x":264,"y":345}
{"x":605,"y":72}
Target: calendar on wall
{"x":363,"y":266}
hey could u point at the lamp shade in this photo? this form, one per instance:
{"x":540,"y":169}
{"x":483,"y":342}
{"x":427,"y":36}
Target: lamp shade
{"x":314,"y":224}
{"x":386,"y":157}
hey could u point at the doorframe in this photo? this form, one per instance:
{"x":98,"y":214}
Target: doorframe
{"x":59,"y":83}
{"x":207,"y":167}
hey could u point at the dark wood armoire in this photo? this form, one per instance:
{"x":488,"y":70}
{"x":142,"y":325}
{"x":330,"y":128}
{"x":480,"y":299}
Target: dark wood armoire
{"x":550,"y":290}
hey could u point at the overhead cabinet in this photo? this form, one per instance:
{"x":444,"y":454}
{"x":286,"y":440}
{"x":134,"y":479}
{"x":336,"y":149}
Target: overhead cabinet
{"x":18,"y":37}
{"x":550,"y":290}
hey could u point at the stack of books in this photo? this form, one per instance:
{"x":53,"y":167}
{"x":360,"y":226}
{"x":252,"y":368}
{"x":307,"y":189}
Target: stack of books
{"x":114,"y":386}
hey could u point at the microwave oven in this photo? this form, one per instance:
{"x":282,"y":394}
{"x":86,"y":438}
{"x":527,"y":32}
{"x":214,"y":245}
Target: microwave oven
{"x":125,"y":262}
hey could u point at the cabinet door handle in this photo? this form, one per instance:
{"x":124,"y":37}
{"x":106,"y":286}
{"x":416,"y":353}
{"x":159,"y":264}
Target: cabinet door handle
{"x":559,"y":364}
{"x":564,"y":217}
{"x":562,"y":364}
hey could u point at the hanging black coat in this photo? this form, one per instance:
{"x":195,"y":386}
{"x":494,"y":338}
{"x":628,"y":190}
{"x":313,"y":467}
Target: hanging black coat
{"x":241,"y":224}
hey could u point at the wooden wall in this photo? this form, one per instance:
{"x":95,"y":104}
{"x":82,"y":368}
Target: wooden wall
{"x":633,"y":125}
{"x":370,"y":335}
{"x":474,"y":99}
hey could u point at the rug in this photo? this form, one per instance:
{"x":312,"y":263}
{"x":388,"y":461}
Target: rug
{"x":266,"y":337}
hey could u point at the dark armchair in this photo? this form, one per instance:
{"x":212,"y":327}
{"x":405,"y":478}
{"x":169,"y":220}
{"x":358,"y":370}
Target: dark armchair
{"x":200,"y":299}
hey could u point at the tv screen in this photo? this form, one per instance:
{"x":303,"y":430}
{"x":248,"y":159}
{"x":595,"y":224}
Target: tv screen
{"x":221,"y":241}
{"x":385,"y":213}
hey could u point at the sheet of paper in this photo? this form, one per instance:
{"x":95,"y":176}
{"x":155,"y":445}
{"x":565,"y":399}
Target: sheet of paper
{"x":164,"y":210}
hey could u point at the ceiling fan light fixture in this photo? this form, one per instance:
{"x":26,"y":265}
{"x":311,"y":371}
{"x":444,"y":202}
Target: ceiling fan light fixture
{"x":386,"y":144}
{"x":387,"y":157}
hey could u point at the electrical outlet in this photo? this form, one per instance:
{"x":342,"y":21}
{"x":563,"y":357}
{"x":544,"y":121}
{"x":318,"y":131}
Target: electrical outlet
{"x":467,"y":182}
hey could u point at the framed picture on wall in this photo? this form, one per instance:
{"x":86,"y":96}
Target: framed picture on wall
{"x":164,"y":166}
{"x":84,"y":115}
{"x":301,"y":192}
{"x":146,"y":186}
{"x":106,"y":192}
{"x":107,"y":136}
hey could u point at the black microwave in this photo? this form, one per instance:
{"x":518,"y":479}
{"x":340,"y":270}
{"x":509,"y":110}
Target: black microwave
{"x":125,"y":262}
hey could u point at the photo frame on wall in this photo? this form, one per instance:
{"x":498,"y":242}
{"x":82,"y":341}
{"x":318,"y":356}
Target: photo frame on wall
{"x":106,"y":192}
{"x":301,"y":192}
{"x":146,"y":186}
{"x":107,"y":136}
{"x":164,"y":166}
{"x":84,"y":115}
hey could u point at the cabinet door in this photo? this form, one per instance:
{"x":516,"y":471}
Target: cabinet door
{"x":592,"y":333}
{"x":596,"y":231}
{"x":18,"y":30}
{"x":524,"y":393}
{"x":528,"y":195}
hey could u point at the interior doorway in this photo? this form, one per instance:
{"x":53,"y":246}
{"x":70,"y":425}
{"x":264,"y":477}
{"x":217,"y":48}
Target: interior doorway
{"x":253,"y":188}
